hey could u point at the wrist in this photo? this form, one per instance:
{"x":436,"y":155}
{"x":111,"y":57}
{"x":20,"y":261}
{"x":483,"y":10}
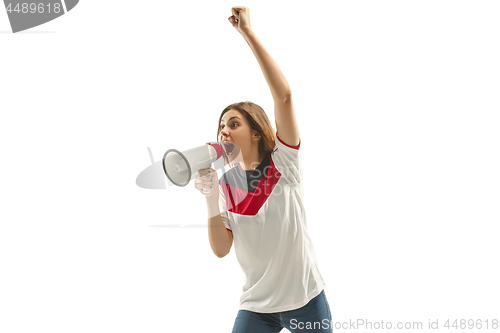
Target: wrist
{"x":213,"y":197}
{"x":247,"y":32}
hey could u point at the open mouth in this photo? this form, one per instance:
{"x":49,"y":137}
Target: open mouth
{"x":228,"y":147}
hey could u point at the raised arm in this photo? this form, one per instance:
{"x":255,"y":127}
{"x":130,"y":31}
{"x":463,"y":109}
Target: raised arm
{"x":284,"y":111}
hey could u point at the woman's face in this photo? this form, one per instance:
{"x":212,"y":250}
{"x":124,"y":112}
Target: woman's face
{"x":235,"y":129}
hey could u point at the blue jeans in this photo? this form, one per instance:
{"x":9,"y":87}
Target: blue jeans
{"x":315,"y":316}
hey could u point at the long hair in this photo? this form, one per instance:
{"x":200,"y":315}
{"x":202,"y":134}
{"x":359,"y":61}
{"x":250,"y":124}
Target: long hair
{"x":258,"y":121}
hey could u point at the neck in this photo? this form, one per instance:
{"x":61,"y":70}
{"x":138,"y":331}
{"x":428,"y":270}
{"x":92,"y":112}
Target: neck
{"x":251,"y":160}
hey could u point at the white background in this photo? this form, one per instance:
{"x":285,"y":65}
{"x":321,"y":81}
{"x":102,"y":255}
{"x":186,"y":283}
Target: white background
{"x":398,"y":109}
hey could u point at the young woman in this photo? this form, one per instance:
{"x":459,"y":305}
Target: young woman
{"x":261,"y":200}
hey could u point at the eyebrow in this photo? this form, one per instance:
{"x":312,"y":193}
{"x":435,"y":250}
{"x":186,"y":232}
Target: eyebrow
{"x":232,"y":118}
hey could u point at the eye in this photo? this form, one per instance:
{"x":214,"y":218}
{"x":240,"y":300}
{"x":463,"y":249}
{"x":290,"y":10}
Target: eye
{"x":222,"y":126}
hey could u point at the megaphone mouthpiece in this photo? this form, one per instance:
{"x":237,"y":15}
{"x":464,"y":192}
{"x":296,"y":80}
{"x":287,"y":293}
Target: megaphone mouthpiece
{"x":218,"y":149}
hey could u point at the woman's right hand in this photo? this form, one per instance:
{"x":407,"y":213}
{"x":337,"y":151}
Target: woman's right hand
{"x":208,"y":179}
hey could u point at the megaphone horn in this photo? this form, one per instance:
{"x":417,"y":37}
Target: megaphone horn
{"x":180,"y":166}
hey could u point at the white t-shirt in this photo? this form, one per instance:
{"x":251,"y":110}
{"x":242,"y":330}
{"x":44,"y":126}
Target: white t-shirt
{"x":264,"y":210}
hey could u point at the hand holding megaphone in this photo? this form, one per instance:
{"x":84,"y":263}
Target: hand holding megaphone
{"x":207,"y":182}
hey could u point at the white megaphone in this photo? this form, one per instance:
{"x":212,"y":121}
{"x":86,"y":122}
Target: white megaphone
{"x":179,"y":167}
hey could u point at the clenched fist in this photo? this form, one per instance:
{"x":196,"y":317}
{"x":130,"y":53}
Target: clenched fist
{"x":240,"y":19}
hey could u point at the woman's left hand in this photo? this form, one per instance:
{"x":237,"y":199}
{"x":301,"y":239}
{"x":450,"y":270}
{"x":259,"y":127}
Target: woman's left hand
{"x":240,"y":19}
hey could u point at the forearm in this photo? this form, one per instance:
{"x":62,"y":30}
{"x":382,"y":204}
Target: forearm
{"x":277,"y":82}
{"x":217,"y":232}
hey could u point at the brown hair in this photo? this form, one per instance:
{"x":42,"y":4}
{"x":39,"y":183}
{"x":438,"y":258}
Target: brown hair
{"x":258,"y":121}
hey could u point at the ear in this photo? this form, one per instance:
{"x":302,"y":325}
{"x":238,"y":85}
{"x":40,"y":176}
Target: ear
{"x":256,"y":135}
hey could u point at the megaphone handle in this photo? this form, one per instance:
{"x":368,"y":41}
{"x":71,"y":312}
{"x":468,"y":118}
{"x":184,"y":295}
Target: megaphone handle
{"x":204,"y":189}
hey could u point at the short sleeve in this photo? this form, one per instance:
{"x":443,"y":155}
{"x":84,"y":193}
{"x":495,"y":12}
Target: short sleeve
{"x":223,"y":209}
{"x":287,"y":160}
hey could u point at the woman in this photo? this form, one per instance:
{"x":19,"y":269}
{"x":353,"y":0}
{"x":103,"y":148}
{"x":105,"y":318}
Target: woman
{"x":261,"y":200}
